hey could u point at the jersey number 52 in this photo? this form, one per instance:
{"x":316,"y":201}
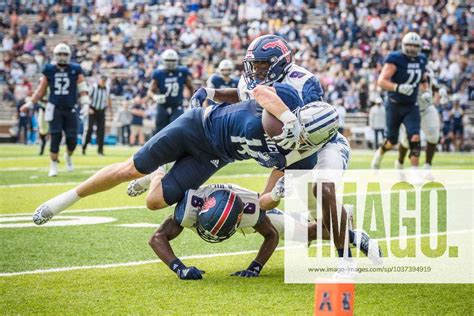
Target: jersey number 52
{"x":61,"y":86}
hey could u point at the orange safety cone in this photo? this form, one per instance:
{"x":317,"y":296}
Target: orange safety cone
{"x":334,"y":299}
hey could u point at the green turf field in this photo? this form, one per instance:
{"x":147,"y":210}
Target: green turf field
{"x":130,"y":280}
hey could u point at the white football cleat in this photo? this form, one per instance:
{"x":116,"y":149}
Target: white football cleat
{"x":427,"y":172}
{"x":398,"y":165}
{"x":368,"y":246}
{"x":375,"y":164}
{"x":42,"y":214}
{"x":69,"y":165}
{"x":53,"y":169}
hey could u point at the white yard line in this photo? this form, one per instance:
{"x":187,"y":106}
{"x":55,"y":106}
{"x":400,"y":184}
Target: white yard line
{"x":87,"y":210}
{"x":22,"y":185}
{"x":214,"y":255}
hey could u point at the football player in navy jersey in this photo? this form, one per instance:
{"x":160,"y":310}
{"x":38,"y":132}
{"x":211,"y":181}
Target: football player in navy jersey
{"x":222,"y":78}
{"x":167,"y":89}
{"x":268,"y":60}
{"x":400,"y":77}
{"x":65,"y":81}
{"x":200,"y":142}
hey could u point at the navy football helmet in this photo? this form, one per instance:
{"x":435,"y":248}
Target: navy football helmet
{"x":219,"y":216}
{"x":267,"y":60}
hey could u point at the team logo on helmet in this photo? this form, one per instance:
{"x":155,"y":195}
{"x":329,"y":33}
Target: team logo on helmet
{"x":281,"y":46}
{"x":208,"y":204}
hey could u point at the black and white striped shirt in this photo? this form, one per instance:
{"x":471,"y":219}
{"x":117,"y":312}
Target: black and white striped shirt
{"x":99,"y":97}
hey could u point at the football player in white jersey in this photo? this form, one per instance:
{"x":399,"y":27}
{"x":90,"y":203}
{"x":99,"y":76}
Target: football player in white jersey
{"x":430,"y":122}
{"x":268,"y":60}
{"x":215,"y":212}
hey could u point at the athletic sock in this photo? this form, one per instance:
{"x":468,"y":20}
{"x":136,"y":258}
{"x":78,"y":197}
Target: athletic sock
{"x":63,"y":201}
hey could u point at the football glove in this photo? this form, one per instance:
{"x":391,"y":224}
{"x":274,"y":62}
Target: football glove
{"x":405,"y":89}
{"x":185,"y":273}
{"x":159,"y":98}
{"x":427,"y":97}
{"x":278,"y":191}
{"x":252,"y":271}
{"x":271,"y":160}
{"x":27,"y":106}
{"x":198,"y":98}
{"x":289,"y":138}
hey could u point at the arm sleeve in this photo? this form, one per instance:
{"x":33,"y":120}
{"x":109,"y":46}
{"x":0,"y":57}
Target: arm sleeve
{"x":289,"y":96}
{"x":312,"y":90}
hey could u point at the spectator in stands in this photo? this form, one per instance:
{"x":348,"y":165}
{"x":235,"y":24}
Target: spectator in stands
{"x":377,"y":119}
{"x":136,"y":125}
{"x":341,"y":112}
{"x":22,"y":90}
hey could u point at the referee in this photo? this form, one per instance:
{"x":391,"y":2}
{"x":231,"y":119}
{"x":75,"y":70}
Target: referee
{"x":100,"y":99}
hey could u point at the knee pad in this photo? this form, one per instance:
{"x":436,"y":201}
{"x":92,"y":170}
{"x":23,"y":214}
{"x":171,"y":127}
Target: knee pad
{"x":415,"y":148}
{"x":71,"y":142}
{"x":55,"y":142}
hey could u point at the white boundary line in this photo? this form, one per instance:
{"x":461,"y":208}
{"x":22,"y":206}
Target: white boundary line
{"x":214,"y":255}
{"x":21,"y":185}
{"x":87,"y":210}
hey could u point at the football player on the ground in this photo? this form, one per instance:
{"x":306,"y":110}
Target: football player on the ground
{"x":215,"y":212}
{"x":65,"y":81}
{"x":400,"y":77}
{"x":268,"y":60}
{"x":200,"y":142}
{"x":430,"y":122}
{"x":167,"y":89}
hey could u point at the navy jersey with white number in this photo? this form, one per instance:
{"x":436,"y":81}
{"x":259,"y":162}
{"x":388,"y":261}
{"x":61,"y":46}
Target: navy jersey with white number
{"x":237,"y":133}
{"x":216,"y":81}
{"x":62,"y":83}
{"x":171,"y":83}
{"x":409,"y":71}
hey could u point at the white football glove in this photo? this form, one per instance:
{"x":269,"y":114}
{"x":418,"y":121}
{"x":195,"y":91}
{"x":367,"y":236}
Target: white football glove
{"x":84,"y":110}
{"x":159,"y":98}
{"x":406,"y":89}
{"x":289,"y":138}
{"x":278,"y":192}
{"x":427,"y":97}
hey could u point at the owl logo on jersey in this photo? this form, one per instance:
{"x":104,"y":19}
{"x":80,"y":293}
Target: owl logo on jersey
{"x":267,"y":60}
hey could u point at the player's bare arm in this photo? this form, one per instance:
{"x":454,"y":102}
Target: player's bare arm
{"x":270,"y":242}
{"x":160,"y":240}
{"x":384,"y":80}
{"x":38,"y":95}
{"x":268,"y":99}
{"x":268,"y":200}
{"x":154,"y":93}
{"x":229,"y":95}
{"x":189,"y":85}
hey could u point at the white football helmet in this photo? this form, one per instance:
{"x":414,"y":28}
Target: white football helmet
{"x":455,"y":98}
{"x":411,"y":44}
{"x":319,"y":123}
{"x":62,"y":54}
{"x":226,"y":67}
{"x":170,"y":59}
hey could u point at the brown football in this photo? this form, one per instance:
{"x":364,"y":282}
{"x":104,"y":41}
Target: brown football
{"x":271,"y":125}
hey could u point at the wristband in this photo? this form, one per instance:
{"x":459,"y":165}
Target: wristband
{"x":210,"y":93}
{"x":255,"y":266}
{"x":176,"y":265}
{"x":287,"y":116}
